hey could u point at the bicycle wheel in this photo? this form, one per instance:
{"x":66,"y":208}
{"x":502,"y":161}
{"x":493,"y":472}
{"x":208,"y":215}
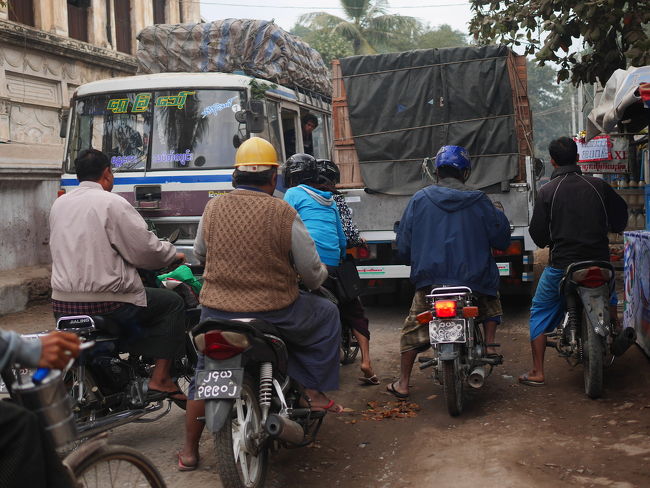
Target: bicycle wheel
{"x":117,"y":466}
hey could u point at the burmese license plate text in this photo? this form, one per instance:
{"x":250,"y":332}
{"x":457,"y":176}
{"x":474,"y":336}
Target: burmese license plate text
{"x":445,"y":331}
{"x":222,"y":383}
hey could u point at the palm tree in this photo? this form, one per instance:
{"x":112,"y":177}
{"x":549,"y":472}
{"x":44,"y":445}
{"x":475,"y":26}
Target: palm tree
{"x":367,"y":26}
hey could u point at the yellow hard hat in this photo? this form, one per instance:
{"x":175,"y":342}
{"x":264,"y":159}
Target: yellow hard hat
{"x":256,"y":154}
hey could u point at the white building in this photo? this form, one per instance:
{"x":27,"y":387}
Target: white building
{"x":47,"y":49}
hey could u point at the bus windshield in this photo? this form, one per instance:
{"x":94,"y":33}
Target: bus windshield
{"x":157,"y":130}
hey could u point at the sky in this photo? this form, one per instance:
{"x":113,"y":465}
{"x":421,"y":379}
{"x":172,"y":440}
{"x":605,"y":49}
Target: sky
{"x":456,"y":13}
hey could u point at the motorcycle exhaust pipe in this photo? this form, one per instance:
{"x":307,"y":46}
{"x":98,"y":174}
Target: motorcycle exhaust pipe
{"x":284,"y":429}
{"x":476,"y":378}
{"x":623,"y":341}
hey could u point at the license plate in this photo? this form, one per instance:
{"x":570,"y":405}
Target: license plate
{"x":446,"y":331}
{"x":219,"y":383}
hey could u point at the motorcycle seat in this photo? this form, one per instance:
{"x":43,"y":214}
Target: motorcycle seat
{"x":88,"y":325}
{"x":255,"y":327}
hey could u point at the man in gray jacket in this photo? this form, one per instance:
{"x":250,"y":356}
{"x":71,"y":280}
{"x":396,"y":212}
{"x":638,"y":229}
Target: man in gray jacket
{"x":97,"y":241}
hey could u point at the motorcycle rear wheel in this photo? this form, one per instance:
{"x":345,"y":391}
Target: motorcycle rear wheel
{"x":453,"y":387}
{"x":241,"y":464}
{"x":594,"y":353}
{"x":349,"y":346}
{"x":117,"y":466}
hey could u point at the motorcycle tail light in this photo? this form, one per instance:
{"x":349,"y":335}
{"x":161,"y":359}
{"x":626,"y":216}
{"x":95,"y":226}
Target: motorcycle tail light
{"x":425,"y":317}
{"x":218,"y":344}
{"x":470,"y":312}
{"x":445,"y":308}
{"x":363,"y":253}
{"x":591,"y":277}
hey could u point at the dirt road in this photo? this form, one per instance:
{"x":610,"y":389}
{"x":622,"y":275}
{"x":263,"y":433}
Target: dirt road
{"x":509,"y":436}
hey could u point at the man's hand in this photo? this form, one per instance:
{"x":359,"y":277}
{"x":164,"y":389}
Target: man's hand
{"x":57,"y":348}
{"x":180,"y":258}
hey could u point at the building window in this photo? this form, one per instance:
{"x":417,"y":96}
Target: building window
{"x":21,"y":11}
{"x":123,"y":25}
{"x":78,"y":19}
{"x":158,"y":11}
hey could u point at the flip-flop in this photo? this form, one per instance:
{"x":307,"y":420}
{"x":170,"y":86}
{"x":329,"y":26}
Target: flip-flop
{"x":186,"y":467}
{"x":391,"y":389}
{"x":331,"y":407}
{"x":524,"y":380}
{"x":369,"y":380}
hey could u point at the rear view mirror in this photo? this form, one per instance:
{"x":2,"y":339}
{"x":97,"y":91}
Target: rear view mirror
{"x":539,"y":168}
{"x":252,"y":116}
{"x":63,"y":129}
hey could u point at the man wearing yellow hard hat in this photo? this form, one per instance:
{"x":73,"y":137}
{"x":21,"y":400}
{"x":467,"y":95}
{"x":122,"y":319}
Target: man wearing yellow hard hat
{"x":254,"y":247}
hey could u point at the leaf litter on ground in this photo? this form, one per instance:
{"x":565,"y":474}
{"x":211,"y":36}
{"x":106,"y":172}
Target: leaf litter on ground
{"x":380,"y":411}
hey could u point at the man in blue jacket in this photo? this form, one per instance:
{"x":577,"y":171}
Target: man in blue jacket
{"x":446,"y":235}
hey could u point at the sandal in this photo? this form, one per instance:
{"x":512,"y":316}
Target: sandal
{"x":399,"y":395}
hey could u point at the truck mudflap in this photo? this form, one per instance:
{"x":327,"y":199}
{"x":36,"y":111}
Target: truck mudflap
{"x":595,"y":302}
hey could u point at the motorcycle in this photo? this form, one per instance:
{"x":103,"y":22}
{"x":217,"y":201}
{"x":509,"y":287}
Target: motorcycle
{"x":109,"y":388}
{"x":457,"y":340}
{"x":252,"y":406}
{"x":586,"y":334}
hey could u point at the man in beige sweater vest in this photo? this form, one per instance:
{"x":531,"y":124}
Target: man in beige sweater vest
{"x":254,"y":247}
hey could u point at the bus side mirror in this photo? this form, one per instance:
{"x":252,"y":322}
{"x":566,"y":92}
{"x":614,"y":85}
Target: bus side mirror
{"x":63,"y":129}
{"x":252,"y":115}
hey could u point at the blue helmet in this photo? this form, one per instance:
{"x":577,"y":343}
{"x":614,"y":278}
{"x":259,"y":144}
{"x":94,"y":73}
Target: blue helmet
{"x":454,"y":156}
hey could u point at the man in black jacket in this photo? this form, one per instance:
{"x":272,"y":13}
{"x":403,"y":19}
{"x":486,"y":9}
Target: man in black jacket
{"x":573,"y":214}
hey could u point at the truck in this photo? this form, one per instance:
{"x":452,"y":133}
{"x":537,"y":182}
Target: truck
{"x":391,"y":111}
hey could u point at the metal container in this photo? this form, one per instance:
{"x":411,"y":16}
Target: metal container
{"x":50,"y":401}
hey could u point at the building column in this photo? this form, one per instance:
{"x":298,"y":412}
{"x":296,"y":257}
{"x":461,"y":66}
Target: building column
{"x":173,"y":12}
{"x":141,"y":17}
{"x":189,"y":11}
{"x":4,"y":11}
{"x":52,"y":16}
{"x":99,"y":24}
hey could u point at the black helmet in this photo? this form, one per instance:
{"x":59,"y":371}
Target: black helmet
{"x":300,"y":168}
{"x":328,"y":172}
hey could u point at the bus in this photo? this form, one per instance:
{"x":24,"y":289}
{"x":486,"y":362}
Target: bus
{"x":172,"y":137}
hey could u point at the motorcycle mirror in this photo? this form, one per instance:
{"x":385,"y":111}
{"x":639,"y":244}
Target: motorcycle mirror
{"x":539,"y":168}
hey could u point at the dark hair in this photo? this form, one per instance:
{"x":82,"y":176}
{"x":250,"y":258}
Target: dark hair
{"x":564,"y":151}
{"x":310,"y":118}
{"x":450,"y":172}
{"x":254,"y":179}
{"x":90,"y":164}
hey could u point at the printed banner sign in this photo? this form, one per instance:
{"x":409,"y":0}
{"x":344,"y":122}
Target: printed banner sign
{"x":615,"y":148}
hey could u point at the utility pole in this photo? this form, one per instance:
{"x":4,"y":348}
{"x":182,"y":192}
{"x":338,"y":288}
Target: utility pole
{"x":574,"y":132}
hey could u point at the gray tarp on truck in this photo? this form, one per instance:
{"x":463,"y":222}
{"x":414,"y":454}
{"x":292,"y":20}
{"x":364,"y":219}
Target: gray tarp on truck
{"x":404,"y":106}
{"x":257,"y":47}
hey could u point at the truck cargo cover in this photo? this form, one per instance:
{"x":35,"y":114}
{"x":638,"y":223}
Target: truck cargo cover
{"x":257,"y":47}
{"x":404,"y":106}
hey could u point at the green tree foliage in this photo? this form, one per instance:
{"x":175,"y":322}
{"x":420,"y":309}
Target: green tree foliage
{"x":330,"y":45}
{"x":550,"y":103}
{"x":441,"y":36}
{"x":609,"y":33}
{"x":366,"y":25}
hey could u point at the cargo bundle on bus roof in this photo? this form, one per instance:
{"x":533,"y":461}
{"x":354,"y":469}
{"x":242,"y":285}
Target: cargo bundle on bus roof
{"x":257,"y":48}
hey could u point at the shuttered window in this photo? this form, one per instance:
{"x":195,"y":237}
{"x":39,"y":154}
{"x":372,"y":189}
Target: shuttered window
{"x":78,"y":20}
{"x":158,"y":11}
{"x":21,"y":11}
{"x":123,"y":25}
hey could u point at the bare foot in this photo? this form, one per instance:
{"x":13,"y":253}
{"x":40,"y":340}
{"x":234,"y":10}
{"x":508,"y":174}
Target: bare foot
{"x":319,"y":401}
{"x":366,"y":369}
{"x":168,"y":387}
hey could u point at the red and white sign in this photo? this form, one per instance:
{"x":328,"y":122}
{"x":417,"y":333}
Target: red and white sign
{"x":591,"y":155}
